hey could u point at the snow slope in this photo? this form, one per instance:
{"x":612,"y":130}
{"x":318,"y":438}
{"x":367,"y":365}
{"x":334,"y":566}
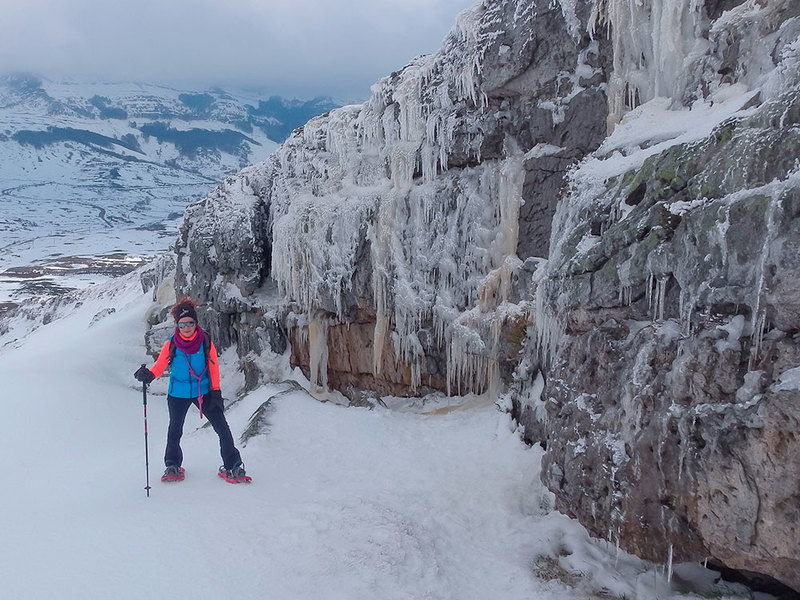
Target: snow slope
{"x":346,"y":503}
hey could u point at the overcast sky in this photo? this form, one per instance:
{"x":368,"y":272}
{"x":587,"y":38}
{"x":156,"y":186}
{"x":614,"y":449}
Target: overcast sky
{"x":295,"y":48}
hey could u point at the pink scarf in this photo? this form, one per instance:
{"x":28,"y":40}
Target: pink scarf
{"x":191,"y":345}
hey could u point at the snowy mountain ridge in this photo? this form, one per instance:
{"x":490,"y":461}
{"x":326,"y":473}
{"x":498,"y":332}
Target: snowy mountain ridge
{"x":271,"y":117}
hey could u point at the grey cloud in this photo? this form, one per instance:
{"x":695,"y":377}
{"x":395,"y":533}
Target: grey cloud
{"x":291,"y":47}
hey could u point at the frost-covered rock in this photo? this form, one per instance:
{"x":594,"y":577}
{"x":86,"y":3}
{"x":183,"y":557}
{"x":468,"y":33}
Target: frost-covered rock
{"x":396,"y":231}
{"x":668,"y":311}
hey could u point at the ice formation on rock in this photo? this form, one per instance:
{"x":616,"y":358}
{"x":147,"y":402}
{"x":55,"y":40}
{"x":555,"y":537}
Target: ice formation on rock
{"x":652,"y":46}
{"x":438,"y":247}
{"x":404,"y":213}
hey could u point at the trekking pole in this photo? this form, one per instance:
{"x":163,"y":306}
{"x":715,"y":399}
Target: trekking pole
{"x":146,"y":450}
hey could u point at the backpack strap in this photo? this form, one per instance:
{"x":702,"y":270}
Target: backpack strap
{"x":206,"y":348}
{"x":206,"y":352}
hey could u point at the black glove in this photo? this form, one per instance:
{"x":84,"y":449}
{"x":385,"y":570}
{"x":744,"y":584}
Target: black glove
{"x":213,"y":398}
{"x":144,"y":374}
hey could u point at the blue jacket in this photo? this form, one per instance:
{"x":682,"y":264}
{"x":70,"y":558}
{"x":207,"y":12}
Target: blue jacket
{"x":181,"y":383}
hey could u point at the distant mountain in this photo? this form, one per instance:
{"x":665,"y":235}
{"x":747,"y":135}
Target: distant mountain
{"x":78,"y":161}
{"x":142,"y":122}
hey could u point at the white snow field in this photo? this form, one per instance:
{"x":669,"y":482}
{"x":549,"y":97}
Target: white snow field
{"x":346,"y":503}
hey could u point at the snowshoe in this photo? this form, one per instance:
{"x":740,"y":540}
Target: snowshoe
{"x":234,"y":475}
{"x":173,"y":473}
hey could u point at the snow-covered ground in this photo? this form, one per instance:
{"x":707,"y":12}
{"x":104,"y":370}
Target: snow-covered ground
{"x":407,"y":502}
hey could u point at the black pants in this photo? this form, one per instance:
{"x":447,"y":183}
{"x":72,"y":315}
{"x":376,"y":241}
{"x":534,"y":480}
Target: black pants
{"x":178,"y":408}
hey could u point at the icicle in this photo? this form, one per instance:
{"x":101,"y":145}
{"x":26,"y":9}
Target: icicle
{"x":650,"y":41}
{"x":625,"y":292}
{"x":625,"y":295}
{"x":687,"y":305}
{"x":378,"y":342}
{"x":403,"y":163}
{"x":548,"y":327}
{"x":759,"y":314}
{"x":669,"y":565}
{"x":512,"y":178}
{"x":318,"y":352}
{"x":656,"y":296}
{"x":492,"y":366}
{"x":380,"y":260}
{"x":493,"y":378}
{"x":470,"y":363}
{"x":467,"y":27}
{"x":466,"y":358}
{"x":757,"y":338}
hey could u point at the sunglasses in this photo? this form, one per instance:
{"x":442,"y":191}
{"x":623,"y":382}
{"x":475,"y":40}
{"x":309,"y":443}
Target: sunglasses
{"x":187,"y":324}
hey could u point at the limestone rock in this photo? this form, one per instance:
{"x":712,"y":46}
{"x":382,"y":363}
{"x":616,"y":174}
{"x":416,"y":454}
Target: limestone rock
{"x":668,"y":400}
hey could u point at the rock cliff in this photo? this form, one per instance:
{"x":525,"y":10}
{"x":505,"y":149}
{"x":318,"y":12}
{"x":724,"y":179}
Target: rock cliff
{"x":395,"y":232}
{"x":668,"y":312}
{"x":592,"y":203}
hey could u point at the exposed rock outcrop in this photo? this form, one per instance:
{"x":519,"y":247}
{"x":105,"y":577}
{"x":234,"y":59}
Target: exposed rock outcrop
{"x":671,"y":404}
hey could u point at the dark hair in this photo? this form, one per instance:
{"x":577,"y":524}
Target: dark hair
{"x":184,"y":305}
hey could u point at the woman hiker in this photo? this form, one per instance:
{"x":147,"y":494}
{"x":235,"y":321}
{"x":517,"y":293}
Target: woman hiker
{"x":193,"y":379}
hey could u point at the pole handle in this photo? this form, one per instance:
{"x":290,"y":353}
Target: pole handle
{"x":144,"y":388}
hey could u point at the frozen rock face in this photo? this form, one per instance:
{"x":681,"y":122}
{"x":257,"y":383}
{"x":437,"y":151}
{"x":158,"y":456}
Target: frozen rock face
{"x":396,"y":232}
{"x":664,"y":381}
